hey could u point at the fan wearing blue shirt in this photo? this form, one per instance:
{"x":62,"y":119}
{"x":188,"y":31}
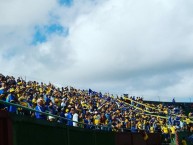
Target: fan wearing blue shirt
{"x":69,"y":117}
{"x":12,"y":99}
{"x":2,"y":97}
{"x":40,"y":107}
{"x":133,"y":129}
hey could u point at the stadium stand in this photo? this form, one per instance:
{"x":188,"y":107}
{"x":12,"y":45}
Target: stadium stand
{"x":87,"y":109}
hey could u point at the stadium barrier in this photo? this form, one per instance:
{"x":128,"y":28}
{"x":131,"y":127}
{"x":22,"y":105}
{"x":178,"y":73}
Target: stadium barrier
{"x":5,"y":129}
{"x":24,"y":130}
{"x":137,"y":139}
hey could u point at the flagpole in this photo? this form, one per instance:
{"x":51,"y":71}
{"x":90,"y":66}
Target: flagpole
{"x":158,"y":98}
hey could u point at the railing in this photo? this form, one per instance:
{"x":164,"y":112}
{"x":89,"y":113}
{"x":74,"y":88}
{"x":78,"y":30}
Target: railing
{"x":96,"y":127}
{"x":91,"y":126}
{"x":56,"y":116}
{"x":152,"y":113}
{"x":144,"y":104}
{"x":147,"y":112}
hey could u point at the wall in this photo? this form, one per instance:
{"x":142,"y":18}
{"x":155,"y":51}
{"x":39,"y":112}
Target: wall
{"x":22,"y":130}
{"x":5,"y":129}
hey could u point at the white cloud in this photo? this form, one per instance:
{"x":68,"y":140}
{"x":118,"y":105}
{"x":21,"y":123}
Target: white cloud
{"x":139,"y":47}
{"x":25,"y":13}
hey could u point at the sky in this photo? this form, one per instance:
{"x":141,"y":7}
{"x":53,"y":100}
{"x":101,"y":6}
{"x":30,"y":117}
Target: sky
{"x":135,"y":47}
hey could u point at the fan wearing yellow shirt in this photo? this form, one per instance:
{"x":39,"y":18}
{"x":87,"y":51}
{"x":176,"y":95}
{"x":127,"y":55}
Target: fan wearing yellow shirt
{"x":139,"y":125}
{"x":145,"y":136}
{"x":173,"y":131}
{"x":96,"y":118}
{"x":151,"y":130}
{"x":184,"y":141}
{"x":188,"y":121}
{"x":161,"y":121}
{"x":165,"y":132}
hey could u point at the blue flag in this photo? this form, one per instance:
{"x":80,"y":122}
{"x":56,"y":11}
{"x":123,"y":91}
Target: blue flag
{"x":173,"y":100}
{"x":90,"y":92}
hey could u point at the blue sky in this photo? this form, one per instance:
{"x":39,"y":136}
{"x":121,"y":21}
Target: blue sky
{"x":42,"y":33}
{"x":142,"y":48}
{"x":66,"y":2}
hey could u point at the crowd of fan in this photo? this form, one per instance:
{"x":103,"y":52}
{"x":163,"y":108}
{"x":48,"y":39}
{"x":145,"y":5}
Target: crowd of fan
{"x":89,"y":109}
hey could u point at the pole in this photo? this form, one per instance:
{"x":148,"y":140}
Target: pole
{"x":158,"y":98}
